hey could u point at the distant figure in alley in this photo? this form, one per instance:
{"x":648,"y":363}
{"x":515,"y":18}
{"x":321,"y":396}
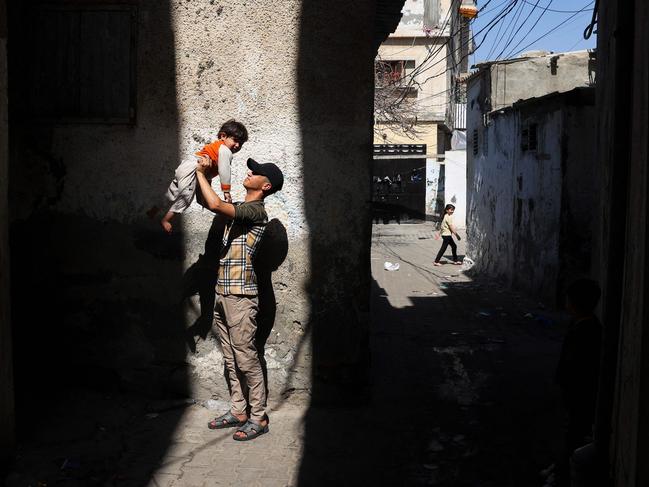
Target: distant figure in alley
{"x":447,"y":230}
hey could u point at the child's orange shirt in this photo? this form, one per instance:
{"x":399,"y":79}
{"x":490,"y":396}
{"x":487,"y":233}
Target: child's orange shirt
{"x":211,"y":150}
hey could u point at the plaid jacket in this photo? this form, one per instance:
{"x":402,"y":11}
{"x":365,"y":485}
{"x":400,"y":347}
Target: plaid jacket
{"x":241,"y":240}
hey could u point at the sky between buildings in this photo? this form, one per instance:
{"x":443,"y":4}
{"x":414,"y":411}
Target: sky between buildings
{"x":507,"y":28}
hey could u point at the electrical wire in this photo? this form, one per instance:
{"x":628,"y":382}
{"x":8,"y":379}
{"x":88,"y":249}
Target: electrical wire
{"x":499,"y":17}
{"x":513,"y":32}
{"x":556,"y":11}
{"x":545,"y":9}
{"x":593,"y":21}
{"x":571,"y":18}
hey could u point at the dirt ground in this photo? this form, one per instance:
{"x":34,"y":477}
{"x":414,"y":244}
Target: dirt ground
{"x":461,"y":393}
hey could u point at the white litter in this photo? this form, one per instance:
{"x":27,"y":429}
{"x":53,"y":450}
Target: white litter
{"x":389,"y":266}
{"x":215,"y":405}
{"x":467,"y":264}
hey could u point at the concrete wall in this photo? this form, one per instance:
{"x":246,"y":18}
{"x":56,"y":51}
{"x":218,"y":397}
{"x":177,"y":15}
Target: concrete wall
{"x":114,"y":284}
{"x":418,"y":13}
{"x":435,"y":181}
{"x":622,"y":431}
{"x":490,"y":195}
{"x":455,"y":184}
{"x":530,"y":219}
{"x":6,"y":362}
{"x":426,"y":133}
{"x":537,"y":76}
{"x":515,"y":203}
{"x":499,"y":85}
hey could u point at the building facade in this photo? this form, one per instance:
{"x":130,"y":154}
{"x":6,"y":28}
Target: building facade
{"x":416,"y":103}
{"x":532,"y":190}
{"x":517,"y":161}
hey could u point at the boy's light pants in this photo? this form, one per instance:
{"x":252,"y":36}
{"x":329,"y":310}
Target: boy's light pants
{"x":236,"y":319}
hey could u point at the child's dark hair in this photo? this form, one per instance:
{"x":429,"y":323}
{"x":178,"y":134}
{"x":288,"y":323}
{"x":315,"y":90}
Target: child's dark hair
{"x":583,"y":294}
{"x":234,"y":129}
{"x":448,"y":207}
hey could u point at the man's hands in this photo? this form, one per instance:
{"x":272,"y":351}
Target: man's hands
{"x":212,"y":201}
{"x":204,"y":165}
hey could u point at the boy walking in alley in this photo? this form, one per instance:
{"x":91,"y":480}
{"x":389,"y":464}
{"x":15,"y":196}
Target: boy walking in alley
{"x":236,"y":307}
{"x":447,"y":230}
{"x":578,"y":370}
{"x":182,"y":189}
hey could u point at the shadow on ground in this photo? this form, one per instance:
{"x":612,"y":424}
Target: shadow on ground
{"x":461,"y":392}
{"x":98,"y":330}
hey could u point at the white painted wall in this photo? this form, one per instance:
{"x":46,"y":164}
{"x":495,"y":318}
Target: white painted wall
{"x":455,"y":184}
{"x":434,"y":189}
{"x":515,"y":204}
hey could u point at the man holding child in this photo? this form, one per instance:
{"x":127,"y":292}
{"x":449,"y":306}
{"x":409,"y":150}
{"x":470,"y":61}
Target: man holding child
{"x":235,"y":312}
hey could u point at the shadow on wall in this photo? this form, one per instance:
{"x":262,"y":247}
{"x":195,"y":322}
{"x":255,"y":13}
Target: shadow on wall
{"x":95,"y":299}
{"x":456,"y":398}
{"x":335,"y":90}
{"x":335,"y":107}
{"x":200,"y":278}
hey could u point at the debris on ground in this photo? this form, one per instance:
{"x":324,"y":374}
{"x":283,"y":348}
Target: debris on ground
{"x":216,"y":405}
{"x":390,"y":266}
{"x":435,"y":445}
{"x":467,"y":264}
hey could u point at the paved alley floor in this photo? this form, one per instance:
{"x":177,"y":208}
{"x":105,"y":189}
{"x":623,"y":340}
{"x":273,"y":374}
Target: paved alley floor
{"x":460,"y":394}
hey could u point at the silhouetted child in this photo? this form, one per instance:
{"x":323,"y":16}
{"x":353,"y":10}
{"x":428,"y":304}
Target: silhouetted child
{"x":182,"y":189}
{"x":447,"y":230}
{"x":578,"y":370}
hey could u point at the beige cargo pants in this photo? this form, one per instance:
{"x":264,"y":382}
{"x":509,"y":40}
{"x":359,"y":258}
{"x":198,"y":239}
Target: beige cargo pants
{"x":236,"y":320}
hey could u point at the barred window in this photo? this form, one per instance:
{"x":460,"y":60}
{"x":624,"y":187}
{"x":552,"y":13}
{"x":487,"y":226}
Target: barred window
{"x":83,"y":63}
{"x":529,"y":138}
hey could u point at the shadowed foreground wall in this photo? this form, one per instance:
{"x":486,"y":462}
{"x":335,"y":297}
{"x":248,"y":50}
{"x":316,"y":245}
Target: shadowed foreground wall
{"x":6,"y":368}
{"x":335,"y":89}
{"x":94,"y":285}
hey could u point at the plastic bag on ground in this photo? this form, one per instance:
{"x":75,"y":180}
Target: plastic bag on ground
{"x":389,"y":266}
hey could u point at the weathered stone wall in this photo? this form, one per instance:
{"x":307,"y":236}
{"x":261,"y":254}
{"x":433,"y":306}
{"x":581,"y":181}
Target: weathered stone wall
{"x":520,"y":79}
{"x":515,"y":204}
{"x":530,"y":221}
{"x":113,"y":284}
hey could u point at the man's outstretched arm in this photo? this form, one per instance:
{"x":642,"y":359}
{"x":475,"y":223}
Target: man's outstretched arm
{"x":212,"y":200}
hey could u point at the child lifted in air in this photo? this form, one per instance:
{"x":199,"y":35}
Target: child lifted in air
{"x":182,"y":189}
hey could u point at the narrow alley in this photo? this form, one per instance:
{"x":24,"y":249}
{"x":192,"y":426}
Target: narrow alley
{"x":460,"y":394}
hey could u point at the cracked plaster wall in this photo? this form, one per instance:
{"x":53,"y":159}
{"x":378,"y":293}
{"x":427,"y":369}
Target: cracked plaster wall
{"x":530,"y":214}
{"x":115,"y":282}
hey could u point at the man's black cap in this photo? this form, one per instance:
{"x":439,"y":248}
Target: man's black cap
{"x":270,"y":170}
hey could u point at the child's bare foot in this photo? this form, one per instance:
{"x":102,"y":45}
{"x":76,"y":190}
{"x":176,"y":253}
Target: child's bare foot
{"x":437,"y":263}
{"x":167,"y":226}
